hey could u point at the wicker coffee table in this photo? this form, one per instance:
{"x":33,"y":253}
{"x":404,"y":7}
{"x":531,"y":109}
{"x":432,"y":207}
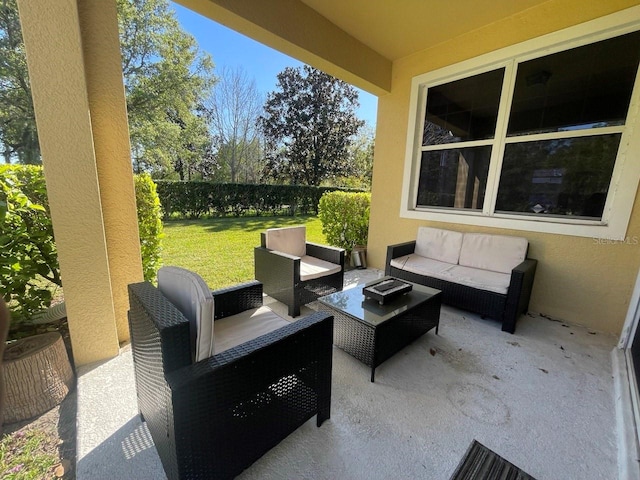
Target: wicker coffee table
{"x":372,"y":332}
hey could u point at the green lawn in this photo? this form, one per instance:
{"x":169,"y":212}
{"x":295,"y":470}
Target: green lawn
{"x":220,"y":250}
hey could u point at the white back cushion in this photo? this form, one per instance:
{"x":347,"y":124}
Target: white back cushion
{"x":291,"y":240}
{"x":438,"y":244}
{"x":499,"y":253}
{"x":189,"y":293}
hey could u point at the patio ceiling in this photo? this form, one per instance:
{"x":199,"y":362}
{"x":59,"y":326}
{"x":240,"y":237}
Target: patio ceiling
{"x":359,"y":40}
{"x":399,"y":28}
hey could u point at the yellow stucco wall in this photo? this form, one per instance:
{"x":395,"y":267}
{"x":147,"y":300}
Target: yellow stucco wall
{"x":579,"y":280}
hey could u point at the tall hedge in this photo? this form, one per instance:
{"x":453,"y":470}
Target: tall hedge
{"x":197,"y":199}
{"x":28,"y":255}
{"x":345,"y":218}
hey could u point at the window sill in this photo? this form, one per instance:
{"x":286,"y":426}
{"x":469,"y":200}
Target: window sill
{"x":556,"y":226}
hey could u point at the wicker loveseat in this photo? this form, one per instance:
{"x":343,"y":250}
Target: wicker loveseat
{"x":214,"y":417}
{"x":487,"y":274}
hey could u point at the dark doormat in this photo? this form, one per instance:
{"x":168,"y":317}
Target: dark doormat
{"x":480,"y":463}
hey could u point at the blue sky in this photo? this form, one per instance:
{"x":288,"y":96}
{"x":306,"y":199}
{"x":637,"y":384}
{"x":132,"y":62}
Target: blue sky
{"x":231,"y":49}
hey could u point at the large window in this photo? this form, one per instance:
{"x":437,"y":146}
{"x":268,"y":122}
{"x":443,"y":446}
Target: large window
{"x":529,"y":140}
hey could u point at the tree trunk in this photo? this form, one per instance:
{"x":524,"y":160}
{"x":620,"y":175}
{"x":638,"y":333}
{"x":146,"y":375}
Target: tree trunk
{"x":37,"y":376}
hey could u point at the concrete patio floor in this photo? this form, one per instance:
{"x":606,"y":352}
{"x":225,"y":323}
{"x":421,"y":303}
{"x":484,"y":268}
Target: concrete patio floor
{"x":543,"y":398}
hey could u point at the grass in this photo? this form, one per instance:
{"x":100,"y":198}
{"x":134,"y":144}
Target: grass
{"x":28,"y":456}
{"x":220,"y":250}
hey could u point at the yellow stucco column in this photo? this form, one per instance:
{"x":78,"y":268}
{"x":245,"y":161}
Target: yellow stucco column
{"x":74,"y":67}
{"x":108,"y":106}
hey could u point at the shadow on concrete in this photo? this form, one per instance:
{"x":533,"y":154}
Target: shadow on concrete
{"x":128,"y":453}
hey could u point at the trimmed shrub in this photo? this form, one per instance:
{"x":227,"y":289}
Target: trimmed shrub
{"x":197,"y":199}
{"x":345,"y":218}
{"x":149,"y":224}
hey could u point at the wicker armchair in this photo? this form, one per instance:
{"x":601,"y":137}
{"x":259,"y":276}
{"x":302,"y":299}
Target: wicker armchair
{"x":215,"y":417}
{"x":295,"y":271}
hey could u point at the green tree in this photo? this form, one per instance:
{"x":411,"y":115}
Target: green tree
{"x":308,"y":124}
{"x":361,"y":159}
{"x":167,"y":79}
{"x":18,"y":135}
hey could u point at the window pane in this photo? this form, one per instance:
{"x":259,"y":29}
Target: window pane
{"x":565,"y":177}
{"x":584,"y":87}
{"x":454,"y":178}
{"x":463,"y":110}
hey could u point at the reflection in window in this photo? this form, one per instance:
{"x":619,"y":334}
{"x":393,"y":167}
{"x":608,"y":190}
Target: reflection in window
{"x":455,"y":178}
{"x":585,"y":87}
{"x":550,"y":143}
{"x":561,"y":177}
{"x":463,"y":110}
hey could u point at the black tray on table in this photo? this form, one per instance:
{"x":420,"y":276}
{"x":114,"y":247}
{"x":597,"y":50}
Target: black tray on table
{"x":386,"y":290}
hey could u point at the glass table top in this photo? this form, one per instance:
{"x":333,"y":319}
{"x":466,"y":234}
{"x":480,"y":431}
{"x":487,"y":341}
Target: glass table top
{"x":367,"y":310}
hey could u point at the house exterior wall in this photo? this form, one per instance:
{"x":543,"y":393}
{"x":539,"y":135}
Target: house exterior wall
{"x":579,"y":280}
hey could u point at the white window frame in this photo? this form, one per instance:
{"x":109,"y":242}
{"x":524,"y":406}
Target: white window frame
{"x":626,"y":172}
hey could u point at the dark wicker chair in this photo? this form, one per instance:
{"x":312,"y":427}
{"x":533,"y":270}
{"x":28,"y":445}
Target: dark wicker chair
{"x":280,"y":273}
{"x":212,"y":419}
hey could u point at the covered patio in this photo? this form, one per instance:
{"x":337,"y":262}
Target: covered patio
{"x":542,"y":398}
{"x":555,"y":398}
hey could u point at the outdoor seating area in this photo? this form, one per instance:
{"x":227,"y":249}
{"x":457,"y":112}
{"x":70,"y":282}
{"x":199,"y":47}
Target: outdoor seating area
{"x":487,"y":274}
{"x":403,"y":244}
{"x":535,"y":398}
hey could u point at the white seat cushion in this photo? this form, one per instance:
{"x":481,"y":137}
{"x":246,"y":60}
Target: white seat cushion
{"x":238,"y":329}
{"x":189,"y":293}
{"x":423,"y":266}
{"x":481,"y":279}
{"x":312,"y":267}
{"x":438,"y":244}
{"x":499,"y":253}
{"x":291,"y":240}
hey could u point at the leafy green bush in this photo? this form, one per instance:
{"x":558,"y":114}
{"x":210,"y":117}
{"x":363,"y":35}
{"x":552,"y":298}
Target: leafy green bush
{"x":345,"y":218}
{"x":28,"y":256}
{"x":149,"y":224}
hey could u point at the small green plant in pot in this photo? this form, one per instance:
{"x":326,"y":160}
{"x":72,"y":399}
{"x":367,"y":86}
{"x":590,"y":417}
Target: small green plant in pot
{"x":345,"y":219}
